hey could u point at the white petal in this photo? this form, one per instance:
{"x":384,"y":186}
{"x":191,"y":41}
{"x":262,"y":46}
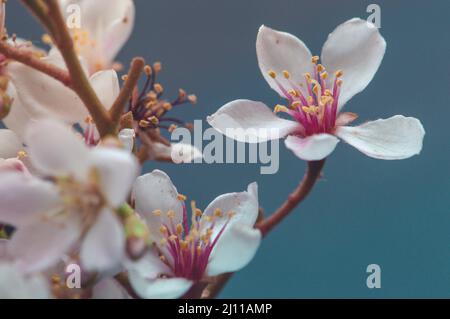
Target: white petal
{"x":149,"y":266}
{"x":117,"y":171}
{"x":55,"y":149}
{"x":23,"y":198}
{"x":109,"y":288}
{"x":42,"y":94}
{"x":312,"y":148}
{"x":106,"y":85}
{"x":43,"y":242}
{"x":394,"y":138}
{"x":234,"y":250}
{"x":104,"y":245}
{"x":244,"y":205}
{"x":155,"y":191}
{"x":357,"y":48}
{"x":251,"y":122}
{"x":3,"y":250}
{"x":126,"y":137}
{"x":178,"y":152}
{"x":16,"y":285}
{"x":280,"y":51}
{"x":165,"y":288}
{"x":10,"y":144}
{"x":19,"y":115}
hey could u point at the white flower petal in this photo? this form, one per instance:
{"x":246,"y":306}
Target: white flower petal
{"x":109,"y":288}
{"x":244,"y":205}
{"x":23,"y":198}
{"x":312,"y":148}
{"x":149,"y":266}
{"x":55,"y":149}
{"x":10,"y":144}
{"x":126,"y":137}
{"x":106,"y":85}
{"x":19,"y":115}
{"x":357,"y":48}
{"x":178,"y":152}
{"x":164,"y":288}
{"x":394,"y":138}
{"x":280,"y":51}
{"x":41,"y":94}
{"x":103,"y":247}
{"x":235,"y":248}
{"x":16,"y":285}
{"x":155,"y":191}
{"x":3,"y":250}
{"x":43,"y":242}
{"x":117,"y":171}
{"x":251,"y":122}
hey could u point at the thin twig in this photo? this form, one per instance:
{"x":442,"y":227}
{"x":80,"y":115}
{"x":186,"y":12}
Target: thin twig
{"x":137,"y":66}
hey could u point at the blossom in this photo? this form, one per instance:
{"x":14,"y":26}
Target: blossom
{"x":105,"y":26}
{"x":74,"y":203}
{"x":316,"y":94}
{"x":221,"y":239}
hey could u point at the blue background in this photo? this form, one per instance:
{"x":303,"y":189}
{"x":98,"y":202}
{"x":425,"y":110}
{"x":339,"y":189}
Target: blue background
{"x":395,"y":214}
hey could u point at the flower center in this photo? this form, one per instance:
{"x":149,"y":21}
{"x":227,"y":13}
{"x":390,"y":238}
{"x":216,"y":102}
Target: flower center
{"x":185,"y":250}
{"x":313,"y":103}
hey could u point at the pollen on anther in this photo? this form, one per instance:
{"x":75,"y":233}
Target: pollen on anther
{"x":315,"y":59}
{"x":272,"y":74}
{"x":218,"y":212}
{"x":157,"y":212}
{"x":339,"y":73}
{"x":280,"y":108}
{"x":286,"y":74}
{"x":181,"y":197}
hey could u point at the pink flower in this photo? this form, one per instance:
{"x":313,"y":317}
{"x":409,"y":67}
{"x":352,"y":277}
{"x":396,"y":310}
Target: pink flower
{"x":74,"y":203}
{"x":316,"y":94}
{"x":220,"y":240}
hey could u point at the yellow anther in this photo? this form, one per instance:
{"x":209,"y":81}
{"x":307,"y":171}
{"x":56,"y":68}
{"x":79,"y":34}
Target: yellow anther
{"x":310,"y":100}
{"x":157,"y":212}
{"x":173,"y":237}
{"x":324,"y":75}
{"x":198,"y":212}
{"x":171,"y":214}
{"x":144,"y":123}
{"x":47,"y":39}
{"x":157,"y":66}
{"x":158,"y":88}
{"x":172,"y":128}
{"x":199,"y":250}
{"x":280,"y":108}
{"x":308,"y":77}
{"x":272,"y":74}
{"x":209,"y":218}
{"x":286,"y":74}
{"x":181,"y":94}
{"x":218,"y":212}
{"x":328,"y":93}
{"x":320,"y":68}
{"x":339,"y":82}
{"x":124,"y":77}
{"x":152,"y":95}
{"x":148,"y":70}
{"x":316,"y":89}
{"x":154,"y":120}
{"x":181,"y":197}
{"x":305,"y":109}
{"x":293,"y":93}
{"x":231,"y":214}
{"x":167,"y":106}
{"x":179,"y":229}
{"x":21,"y":154}
{"x":163,"y":258}
{"x":315,"y":59}
{"x":192,"y":98}
{"x":163,"y":229}
{"x":296,"y":104}
{"x":209,"y":232}
{"x":163,"y":242}
{"x":339,"y":73}
{"x":184,"y":244}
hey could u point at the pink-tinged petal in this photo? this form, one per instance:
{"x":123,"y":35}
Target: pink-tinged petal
{"x":43,"y":242}
{"x":43,"y":95}
{"x":10,"y":144}
{"x":164,"y":288}
{"x":235,"y":248}
{"x":106,"y":85}
{"x":251,"y":122}
{"x":394,"y":138}
{"x":280,"y":51}
{"x":357,"y":48}
{"x":312,"y":148}
{"x":346,"y":118}
{"x":243,"y":205}
{"x":103,"y":247}
{"x":109,"y":288}
{"x":117,"y":171}
{"x":13,"y":164}
{"x":55,"y":149}
{"x":155,"y":191}
{"x":126,"y":137}
{"x":177,"y":152}
{"x":16,"y":285}
{"x":108,"y":24}
{"x":24,"y":198}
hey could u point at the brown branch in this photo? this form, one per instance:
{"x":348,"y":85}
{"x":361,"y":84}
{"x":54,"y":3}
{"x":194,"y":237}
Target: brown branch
{"x":137,"y":66}
{"x":266,"y":225}
{"x":26,"y":57}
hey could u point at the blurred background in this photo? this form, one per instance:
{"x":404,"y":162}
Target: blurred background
{"x":364,"y":211}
